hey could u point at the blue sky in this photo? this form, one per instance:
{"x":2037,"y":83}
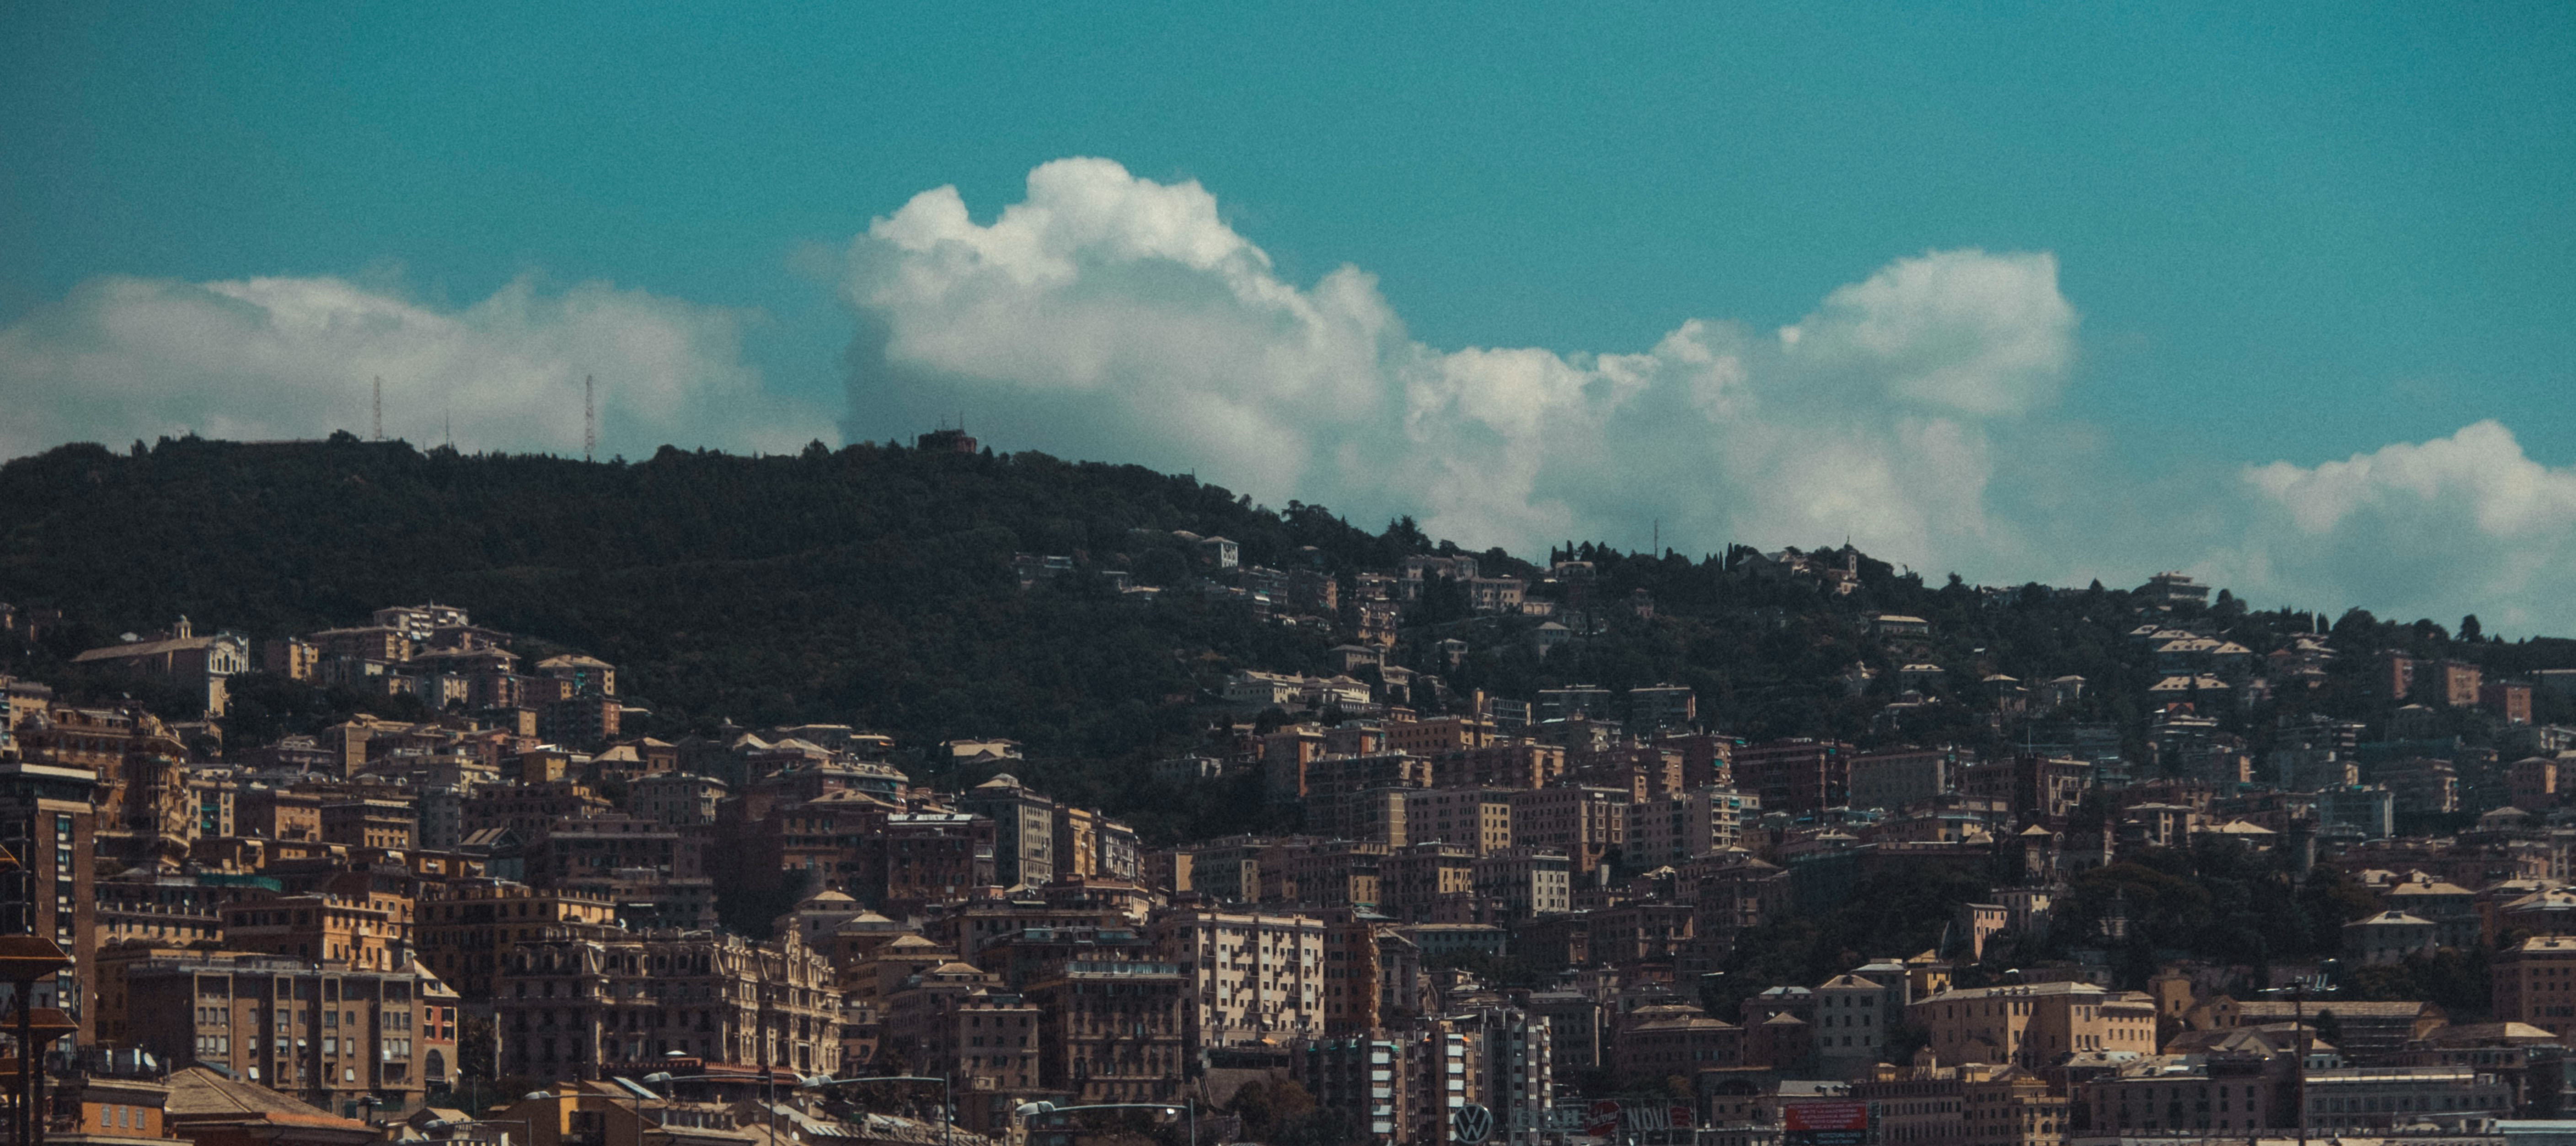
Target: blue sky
{"x":2300,"y":236}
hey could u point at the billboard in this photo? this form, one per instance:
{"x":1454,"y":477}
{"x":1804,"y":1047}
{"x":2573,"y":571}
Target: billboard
{"x":1825,"y":1123}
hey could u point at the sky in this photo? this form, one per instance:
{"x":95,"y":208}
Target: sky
{"x":2285,"y":298}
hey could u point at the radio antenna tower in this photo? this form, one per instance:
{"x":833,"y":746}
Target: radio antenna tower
{"x":589,"y":421}
{"x":380,"y":407}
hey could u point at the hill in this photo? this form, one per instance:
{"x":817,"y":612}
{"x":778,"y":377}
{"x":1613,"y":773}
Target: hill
{"x":874,"y":585}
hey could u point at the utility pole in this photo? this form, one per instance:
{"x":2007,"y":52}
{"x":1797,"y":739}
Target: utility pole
{"x":589,"y":421}
{"x":380,"y":407}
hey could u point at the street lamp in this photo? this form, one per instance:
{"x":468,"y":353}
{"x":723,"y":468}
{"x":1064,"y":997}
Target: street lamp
{"x":947,"y":1114}
{"x":1030,"y":1110}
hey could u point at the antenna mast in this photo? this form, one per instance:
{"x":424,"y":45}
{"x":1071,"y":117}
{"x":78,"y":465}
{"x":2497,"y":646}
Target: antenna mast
{"x":589,"y":421}
{"x":380,"y":407}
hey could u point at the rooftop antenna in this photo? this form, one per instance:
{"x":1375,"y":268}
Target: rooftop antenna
{"x":589,"y":421}
{"x":380,"y":407}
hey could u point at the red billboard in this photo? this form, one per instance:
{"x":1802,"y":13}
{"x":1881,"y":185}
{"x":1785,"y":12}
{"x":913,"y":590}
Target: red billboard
{"x":1826,"y":1116}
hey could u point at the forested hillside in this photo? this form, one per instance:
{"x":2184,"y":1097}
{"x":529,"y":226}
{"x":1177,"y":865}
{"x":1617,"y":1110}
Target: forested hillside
{"x":873,"y":585}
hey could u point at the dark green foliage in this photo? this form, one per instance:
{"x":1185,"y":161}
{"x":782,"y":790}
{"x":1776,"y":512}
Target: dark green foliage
{"x":1898,"y":912}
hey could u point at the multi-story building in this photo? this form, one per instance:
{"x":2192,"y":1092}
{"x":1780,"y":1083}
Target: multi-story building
{"x":1111,"y":1031}
{"x":326,"y":1035}
{"x":467,"y":937}
{"x":1896,"y":777}
{"x":1364,"y":1076}
{"x":1252,"y":976}
{"x":953,"y":1022}
{"x":1695,"y":823}
{"x":677,"y":799}
{"x":1376,"y":815}
{"x":46,"y":821}
{"x":2357,"y":1101}
{"x":574,"y":1002}
{"x":1444,"y":1063}
{"x":1323,"y":875}
{"x":2535,"y":982}
{"x":2032,"y":1025}
{"x":385,"y":824}
{"x":324,"y":929}
{"x":1795,"y":775}
{"x":1973,"y":1104}
{"x":1415,"y":881}
{"x":1524,"y":882}
{"x":1663,"y":1041}
{"x":1434,"y":738}
{"x":1227,"y":870}
{"x":1023,"y":830}
{"x":1584,"y":824}
{"x":1501,"y":764}
{"x":1479,"y":819}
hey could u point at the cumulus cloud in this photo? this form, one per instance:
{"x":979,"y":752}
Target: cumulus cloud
{"x":123,"y":358}
{"x":1106,"y":315}
{"x":2467,"y":522}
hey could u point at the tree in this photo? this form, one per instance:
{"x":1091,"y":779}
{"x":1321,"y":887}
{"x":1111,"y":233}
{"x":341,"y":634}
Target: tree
{"x":2471,"y":631}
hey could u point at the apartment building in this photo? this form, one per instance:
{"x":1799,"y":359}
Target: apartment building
{"x":2535,"y":982}
{"x":46,"y":821}
{"x":1023,"y":830}
{"x":467,"y":937}
{"x":2032,"y":1025}
{"x":1111,"y":1031}
{"x":1253,"y":976}
{"x":1583,"y":824}
{"x":575,"y":1001}
{"x":1524,"y":882}
{"x":1479,"y":819}
{"x":326,"y":1035}
{"x":1694,"y":823}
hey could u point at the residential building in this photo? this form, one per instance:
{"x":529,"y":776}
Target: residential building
{"x":1253,"y":976}
{"x":1112,"y":1031}
{"x":575,"y":1002}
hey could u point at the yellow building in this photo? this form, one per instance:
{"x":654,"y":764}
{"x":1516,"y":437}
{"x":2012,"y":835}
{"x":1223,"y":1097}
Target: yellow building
{"x":2032,"y":1025}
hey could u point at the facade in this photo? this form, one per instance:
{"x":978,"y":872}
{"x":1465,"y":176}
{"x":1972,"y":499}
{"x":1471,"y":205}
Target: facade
{"x":2032,"y":1025}
{"x":1895,"y":778}
{"x":1023,"y":830}
{"x":1479,"y":819}
{"x":2535,"y":982}
{"x":575,"y":1001}
{"x":1694,"y":823}
{"x":1111,"y":1031}
{"x":1796,"y":775}
{"x":1584,"y":824}
{"x":326,"y":1036}
{"x":1524,"y":882}
{"x":1252,"y":976}
{"x":46,"y":821}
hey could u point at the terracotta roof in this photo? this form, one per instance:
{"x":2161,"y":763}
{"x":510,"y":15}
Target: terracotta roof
{"x":201,"y":1095}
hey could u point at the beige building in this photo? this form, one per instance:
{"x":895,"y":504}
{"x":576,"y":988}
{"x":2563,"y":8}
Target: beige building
{"x":1586,"y":824}
{"x":2031,"y":1025}
{"x":1479,"y":819}
{"x":1694,"y":823}
{"x":2535,"y":983}
{"x":1973,"y":1104}
{"x":1252,"y":976}
{"x":577,"y":1001}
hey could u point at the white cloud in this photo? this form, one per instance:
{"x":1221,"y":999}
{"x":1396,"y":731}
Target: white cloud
{"x":1113,"y":317}
{"x":2467,"y":523}
{"x":123,"y":358}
